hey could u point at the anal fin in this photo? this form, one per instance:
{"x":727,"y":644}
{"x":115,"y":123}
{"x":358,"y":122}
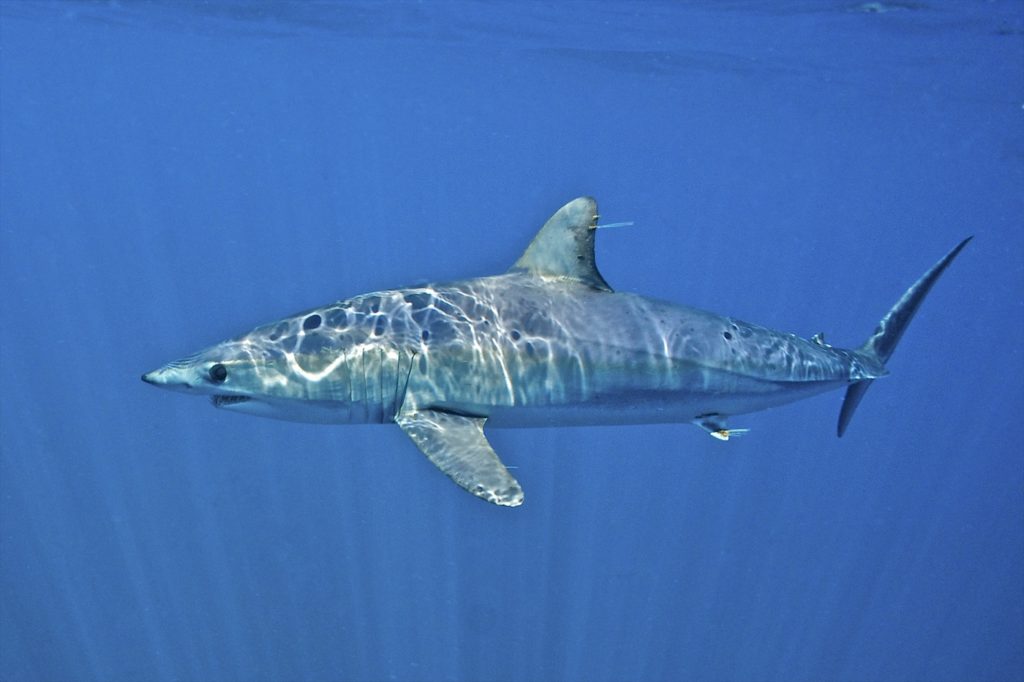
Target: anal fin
{"x":714,"y":424}
{"x":457,"y":446}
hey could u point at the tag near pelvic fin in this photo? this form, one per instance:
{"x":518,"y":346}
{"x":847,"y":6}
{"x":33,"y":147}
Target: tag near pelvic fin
{"x":715,"y":427}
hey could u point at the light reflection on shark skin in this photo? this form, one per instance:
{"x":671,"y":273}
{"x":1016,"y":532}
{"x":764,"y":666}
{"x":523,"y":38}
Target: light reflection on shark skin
{"x":546,"y":344}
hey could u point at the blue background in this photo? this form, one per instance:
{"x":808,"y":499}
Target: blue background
{"x":174,"y":174}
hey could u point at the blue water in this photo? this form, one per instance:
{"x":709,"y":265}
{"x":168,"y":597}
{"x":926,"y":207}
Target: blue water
{"x":172,"y":174}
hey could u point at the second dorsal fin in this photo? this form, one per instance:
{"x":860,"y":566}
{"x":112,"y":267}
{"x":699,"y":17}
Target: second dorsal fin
{"x":564,"y":247}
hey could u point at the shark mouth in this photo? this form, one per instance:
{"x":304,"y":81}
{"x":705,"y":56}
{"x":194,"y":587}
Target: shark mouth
{"x":228,"y":400}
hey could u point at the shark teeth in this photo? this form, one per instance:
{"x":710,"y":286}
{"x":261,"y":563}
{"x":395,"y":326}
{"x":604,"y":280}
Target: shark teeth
{"x":224,"y":400}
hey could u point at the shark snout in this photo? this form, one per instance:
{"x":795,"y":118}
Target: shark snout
{"x":161,"y":377}
{"x":168,"y":377}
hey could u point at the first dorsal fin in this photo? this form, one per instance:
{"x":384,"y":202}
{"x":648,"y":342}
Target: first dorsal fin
{"x":564,"y":247}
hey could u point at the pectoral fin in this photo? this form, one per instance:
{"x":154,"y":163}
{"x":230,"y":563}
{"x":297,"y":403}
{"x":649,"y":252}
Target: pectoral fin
{"x":457,"y":446}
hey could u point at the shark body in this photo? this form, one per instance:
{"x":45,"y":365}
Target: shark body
{"x":548,"y":343}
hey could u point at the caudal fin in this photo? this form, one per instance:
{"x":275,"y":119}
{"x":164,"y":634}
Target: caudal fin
{"x":882,"y":343}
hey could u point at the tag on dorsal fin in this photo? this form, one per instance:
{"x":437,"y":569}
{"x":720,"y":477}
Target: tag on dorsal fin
{"x":564,"y":247}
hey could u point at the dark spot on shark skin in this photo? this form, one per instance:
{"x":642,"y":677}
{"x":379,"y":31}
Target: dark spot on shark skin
{"x":727,"y":335}
{"x":312,"y":343}
{"x":338,"y":318}
{"x":441,"y":329}
{"x":425,"y":335}
{"x":529,"y":349}
{"x":418,"y":301}
{"x":515,"y":335}
{"x":380,"y":326}
{"x":375,"y":304}
{"x":278,"y":332}
{"x":312,"y":322}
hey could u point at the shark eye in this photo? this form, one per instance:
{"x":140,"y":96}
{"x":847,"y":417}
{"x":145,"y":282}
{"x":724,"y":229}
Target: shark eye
{"x":218,"y":373}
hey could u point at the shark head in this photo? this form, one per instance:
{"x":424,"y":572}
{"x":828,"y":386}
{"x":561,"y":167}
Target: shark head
{"x":335,"y":364}
{"x":237,"y":375}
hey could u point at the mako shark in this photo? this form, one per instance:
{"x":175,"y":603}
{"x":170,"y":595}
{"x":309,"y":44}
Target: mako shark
{"x":547,"y":343}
